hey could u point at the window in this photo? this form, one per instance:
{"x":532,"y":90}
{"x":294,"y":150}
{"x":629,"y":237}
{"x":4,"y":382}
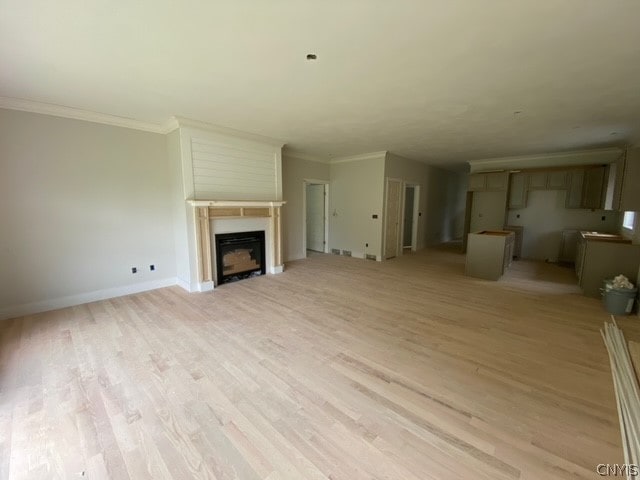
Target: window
{"x":629,"y":220}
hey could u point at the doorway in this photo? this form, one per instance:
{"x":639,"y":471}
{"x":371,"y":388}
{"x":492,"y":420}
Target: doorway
{"x":410,"y":218}
{"x":315,"y":229}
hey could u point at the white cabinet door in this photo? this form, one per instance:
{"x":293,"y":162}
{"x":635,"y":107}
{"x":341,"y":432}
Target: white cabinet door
{"x":518,"y":190}
{"x":477,"y":182}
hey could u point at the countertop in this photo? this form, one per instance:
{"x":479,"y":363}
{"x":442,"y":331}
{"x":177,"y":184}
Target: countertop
{"x":604,"y":237}
{"x":503,"y":233}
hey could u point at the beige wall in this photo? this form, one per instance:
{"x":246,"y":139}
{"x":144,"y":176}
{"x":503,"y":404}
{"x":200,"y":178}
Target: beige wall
{"x":294,"y":172}
{"x":356,"y":193}
{"x":442,"y":198}
{"x":546,"y":216}
{"x":80,"y":203}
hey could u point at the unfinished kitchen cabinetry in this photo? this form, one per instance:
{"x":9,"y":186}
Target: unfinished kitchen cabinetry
{"x":574,"y":192}
{"x":592,"y":191}
{"x":602,"y":256}
{"x":489,"y":253}
{"x":491,"y":181}
{"x":518,"y":190}
{"x":628,"y":196}
{"x":557,"y":180}
{"x":537,"y":180}
{"x":548,"y":180}
{"x":519,"y":237}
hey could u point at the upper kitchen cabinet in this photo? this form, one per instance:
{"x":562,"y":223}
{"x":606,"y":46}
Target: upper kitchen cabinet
{"x":548,"y":180}
{"x":491,"y":182}
{"x":574,"y":193}
{"x":537,"y":180}
{"x":518,"y":190}
{"x":592,"y":191}
{"x":629,"y":194}
{"x":557,"y":180}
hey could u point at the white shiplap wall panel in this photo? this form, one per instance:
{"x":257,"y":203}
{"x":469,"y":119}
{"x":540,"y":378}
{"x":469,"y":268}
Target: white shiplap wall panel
{"x":230,"y":172}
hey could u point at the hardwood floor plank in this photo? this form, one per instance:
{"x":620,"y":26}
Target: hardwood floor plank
{"x":338,"y":368}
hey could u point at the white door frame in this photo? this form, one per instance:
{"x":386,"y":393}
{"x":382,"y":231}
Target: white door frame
{"x":415,"y":214}
{"x":310,"y":181}
{"x":384,"y":220}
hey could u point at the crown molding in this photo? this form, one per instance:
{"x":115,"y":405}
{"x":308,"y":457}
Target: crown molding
{"x":78,"y":114}
{"x":585,"y":154}
{"x":362,"y":156}
{"x":303,"y":156}
{"x":181,"y":122}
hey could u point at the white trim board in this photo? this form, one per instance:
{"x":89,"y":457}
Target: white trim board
{"x":164,"y":128}
{"x":14,"y":311}
{"x":286,"y":153}
{"x":355,"y":158}
{"x":579,"y":157}
{"x":79,"y":114}
{"x":220,"y":134}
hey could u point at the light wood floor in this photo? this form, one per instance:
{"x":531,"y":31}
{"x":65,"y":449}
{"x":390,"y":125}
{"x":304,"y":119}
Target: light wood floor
{"x":339,"y":369}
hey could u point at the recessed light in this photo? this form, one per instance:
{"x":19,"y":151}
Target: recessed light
{"x":311,"y":56}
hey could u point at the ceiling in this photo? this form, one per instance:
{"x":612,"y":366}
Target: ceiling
{"x":438,"y":81}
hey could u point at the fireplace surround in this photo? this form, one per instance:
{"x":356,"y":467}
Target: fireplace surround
{"x":213,"y":217}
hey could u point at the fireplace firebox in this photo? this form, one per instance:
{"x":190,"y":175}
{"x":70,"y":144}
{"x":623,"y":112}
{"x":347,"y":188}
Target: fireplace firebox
{"x":239,"y":255}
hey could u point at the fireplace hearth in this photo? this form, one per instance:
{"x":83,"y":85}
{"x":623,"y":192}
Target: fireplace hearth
{"x":239,"y":255}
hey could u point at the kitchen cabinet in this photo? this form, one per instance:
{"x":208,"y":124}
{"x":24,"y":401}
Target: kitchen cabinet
{"x":568,"y":246}
{"x":629,"y":188}
{"x":497,"y":181}
{"x":548,"y":180}
{"x":599,"y":258}
{"x":493,"y":182}
{"x":518,"y":190}
{"x":489,"y":253}
{"x":477,"y":182}
{"x":592,"y":191}
{"x":587,"y":187}
{"x":519,"y":237}
{"x":574,"y":193}
{"x":537,"y":180}
{"x":557,"y":180}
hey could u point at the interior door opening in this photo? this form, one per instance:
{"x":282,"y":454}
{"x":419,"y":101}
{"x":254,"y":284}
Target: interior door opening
{"x":410,"y":218}
{"x":315,"y":218}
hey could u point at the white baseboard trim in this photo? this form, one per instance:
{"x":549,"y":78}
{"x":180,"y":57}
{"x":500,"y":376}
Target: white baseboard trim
{"x":276,"y":269}
{"x":205,"y":287}
{"x":183,"y":284}
{"x":71,"y":300}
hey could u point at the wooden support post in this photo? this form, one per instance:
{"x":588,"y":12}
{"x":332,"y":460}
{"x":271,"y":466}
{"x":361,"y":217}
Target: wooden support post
{"x":204,"y":246}
{"x":277,"y":244}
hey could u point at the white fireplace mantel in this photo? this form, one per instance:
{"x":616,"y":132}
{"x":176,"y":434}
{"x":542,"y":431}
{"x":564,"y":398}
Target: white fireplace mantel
{"x":207,"y":213}
{"x":233,"y":203}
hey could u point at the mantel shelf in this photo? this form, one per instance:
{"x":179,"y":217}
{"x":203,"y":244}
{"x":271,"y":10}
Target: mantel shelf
{"x":234,"y":203}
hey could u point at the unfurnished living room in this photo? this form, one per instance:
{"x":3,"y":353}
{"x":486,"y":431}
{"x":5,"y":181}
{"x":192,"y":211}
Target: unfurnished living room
{"x":329,"y":240}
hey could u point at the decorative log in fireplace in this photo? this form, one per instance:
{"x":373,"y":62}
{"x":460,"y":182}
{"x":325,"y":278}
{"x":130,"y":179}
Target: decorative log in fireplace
{"x":239,"y":255}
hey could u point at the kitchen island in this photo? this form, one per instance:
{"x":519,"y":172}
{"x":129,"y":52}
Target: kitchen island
{"x":489,"y":253}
